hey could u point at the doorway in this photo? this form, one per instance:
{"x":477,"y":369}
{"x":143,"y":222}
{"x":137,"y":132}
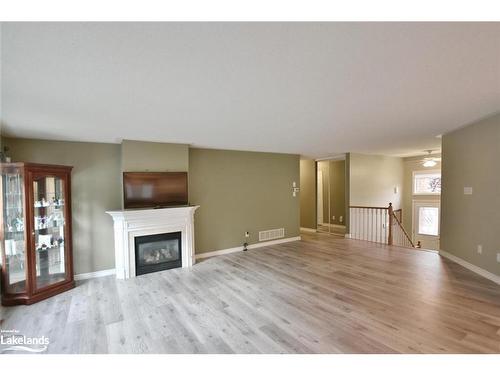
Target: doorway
{"x":426,"y":216}
{"x":330,"y":194}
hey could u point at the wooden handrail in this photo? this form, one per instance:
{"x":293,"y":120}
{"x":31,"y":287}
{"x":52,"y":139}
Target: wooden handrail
{"x":404,"y":232}
{"x":372,"y":207}
{"x":390,"y":239}
{"x":399,"y":214}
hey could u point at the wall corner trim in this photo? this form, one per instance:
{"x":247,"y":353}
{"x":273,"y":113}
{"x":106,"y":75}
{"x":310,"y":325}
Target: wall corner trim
{"x":480,"y":271}
{"x":252,"y":246}
{"x":91,"y":275}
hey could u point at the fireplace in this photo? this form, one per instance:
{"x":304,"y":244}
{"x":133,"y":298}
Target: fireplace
{"x":157,"y":252}
{"x":129,"y":224}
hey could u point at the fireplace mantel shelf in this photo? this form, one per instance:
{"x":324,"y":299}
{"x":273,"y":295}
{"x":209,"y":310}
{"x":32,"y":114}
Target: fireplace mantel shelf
{"x":142,"y":222}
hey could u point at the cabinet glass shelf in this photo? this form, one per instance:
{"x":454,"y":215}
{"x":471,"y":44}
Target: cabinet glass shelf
{"x":36,"y":232}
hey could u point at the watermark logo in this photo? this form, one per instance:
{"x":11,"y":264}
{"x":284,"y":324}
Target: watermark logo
{"x":13,"y":341}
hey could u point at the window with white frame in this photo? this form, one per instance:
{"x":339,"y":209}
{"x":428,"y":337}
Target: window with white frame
{"x":427,"y":182}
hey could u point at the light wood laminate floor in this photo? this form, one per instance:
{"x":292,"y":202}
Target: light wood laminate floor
{"x":323,"y":294}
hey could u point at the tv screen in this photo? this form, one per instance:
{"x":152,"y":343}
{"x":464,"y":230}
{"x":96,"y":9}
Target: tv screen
{"x":155,"y":189}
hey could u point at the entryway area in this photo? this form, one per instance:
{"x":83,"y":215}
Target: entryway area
{"x":426,"y":223}
{"x":426,"y":212}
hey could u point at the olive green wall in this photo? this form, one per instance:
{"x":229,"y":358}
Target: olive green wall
{"x":96,"y":187}
{"x":471,"y":158}
{"x":308,"y":193}
{"x":138,"y":156}
{"x":411,"y":165}
{"x":241,"y":191}
{"x":237,"y":191}
{"x":372,"y":179}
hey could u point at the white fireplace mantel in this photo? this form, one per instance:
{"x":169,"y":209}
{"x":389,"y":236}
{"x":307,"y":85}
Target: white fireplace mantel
{"x":142,"y":222}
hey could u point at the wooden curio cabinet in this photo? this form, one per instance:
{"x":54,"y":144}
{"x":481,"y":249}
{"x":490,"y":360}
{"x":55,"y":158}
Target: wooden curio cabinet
{"x":35,"y":230}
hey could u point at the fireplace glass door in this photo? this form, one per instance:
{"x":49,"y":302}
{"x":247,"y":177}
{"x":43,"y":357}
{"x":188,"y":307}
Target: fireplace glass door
{"x":157,"y":252}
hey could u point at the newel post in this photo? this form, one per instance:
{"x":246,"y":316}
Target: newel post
{"x":391,"y":214}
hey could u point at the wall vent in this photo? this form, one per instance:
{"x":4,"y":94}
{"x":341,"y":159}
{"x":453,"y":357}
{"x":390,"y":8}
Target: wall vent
{"x":271,"y":234}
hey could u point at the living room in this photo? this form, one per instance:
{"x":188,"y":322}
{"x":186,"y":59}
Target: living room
{"x":250,"y":188}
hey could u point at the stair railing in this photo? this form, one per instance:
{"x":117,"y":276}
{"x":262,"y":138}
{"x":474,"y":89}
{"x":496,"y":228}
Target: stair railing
{"x":379,"y":224}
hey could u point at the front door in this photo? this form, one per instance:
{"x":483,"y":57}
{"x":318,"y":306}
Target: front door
{"x":426,"y":224}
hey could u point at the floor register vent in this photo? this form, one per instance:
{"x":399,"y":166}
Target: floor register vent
{"x":271,"y":234}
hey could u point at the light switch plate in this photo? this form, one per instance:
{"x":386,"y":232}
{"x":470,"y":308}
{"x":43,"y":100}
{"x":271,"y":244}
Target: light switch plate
{"x":479,"y":249}
{"x":498,"y":257}
{"x":468,"y":190}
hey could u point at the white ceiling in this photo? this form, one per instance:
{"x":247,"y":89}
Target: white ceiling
{"x":310,"y":88}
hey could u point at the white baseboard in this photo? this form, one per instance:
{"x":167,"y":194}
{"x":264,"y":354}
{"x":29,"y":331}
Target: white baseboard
{"x":338,"y":226}
{"x":91,"y":275}
{"x":307,"y":230}
{"x":470,"y":266}
{"x":252,"y":246}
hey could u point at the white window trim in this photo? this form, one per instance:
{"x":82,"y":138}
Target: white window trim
{"x":427,"y":171}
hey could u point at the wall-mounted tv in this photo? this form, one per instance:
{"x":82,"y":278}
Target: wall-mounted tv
{"x":155,"y":189}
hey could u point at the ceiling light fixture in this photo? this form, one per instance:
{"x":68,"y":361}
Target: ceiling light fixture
{"x":429,"y":161}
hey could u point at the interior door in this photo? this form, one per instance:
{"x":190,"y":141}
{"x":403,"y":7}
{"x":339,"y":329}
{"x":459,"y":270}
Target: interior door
{"x":426,"y":217}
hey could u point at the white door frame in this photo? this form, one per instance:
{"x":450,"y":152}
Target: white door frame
{"x":430,"y":202}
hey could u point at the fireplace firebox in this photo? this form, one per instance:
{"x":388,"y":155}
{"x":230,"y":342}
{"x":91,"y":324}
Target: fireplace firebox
{"x":158,"y":252}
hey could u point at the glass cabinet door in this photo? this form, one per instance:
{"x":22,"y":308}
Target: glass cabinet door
{"x":13,"y":229}
{"x":49,"y":230}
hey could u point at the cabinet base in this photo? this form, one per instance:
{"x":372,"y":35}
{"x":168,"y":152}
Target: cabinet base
{"x":25,"y":299}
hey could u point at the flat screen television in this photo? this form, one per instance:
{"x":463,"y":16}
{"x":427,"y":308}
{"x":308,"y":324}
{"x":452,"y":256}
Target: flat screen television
{"x":155,"y":189}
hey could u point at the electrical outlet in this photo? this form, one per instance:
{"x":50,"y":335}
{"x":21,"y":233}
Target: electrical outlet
{"x":498,"y":257}
{"x":341,"y":219}
{"x":479,"y":249}
{"x":247,"y":234}
{"x":333,"y":218}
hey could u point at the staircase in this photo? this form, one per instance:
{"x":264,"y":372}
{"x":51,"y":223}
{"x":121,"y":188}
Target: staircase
{"x":379,"y":224}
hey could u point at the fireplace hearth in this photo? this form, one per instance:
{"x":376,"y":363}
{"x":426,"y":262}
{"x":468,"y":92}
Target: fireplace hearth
{"x":158,"y":252}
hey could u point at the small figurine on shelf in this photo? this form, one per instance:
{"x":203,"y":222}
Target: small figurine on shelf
{"x":44,"y":242}
{"x":19,"y":224}
{"x":41,"y":222}
{"x":38,"y":204}
{"x":53,"y":220}
{"x":44,"y":202}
